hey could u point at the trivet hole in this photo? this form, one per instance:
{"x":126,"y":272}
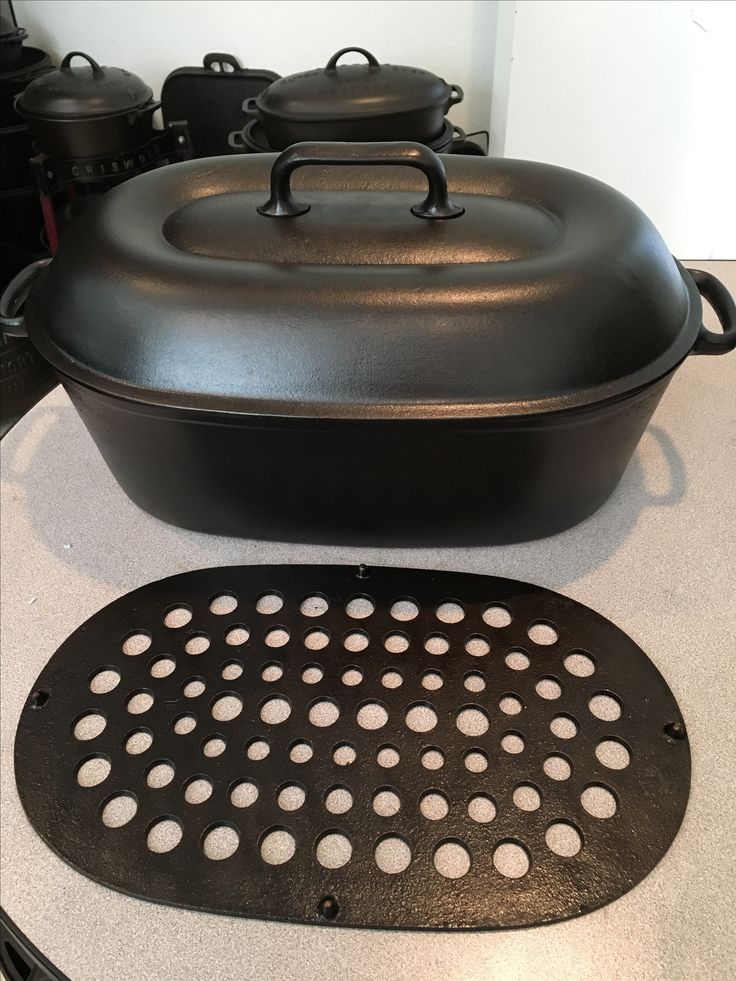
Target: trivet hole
{"x":223,"y":604}
{"x":511,"y":859}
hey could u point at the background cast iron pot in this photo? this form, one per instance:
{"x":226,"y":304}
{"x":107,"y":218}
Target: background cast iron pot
{"x":383,"y":352}
{"x":11,"y":44}
{"x":33,"y":62}
{"x":354,"y":102}
{"x":251,"y":139}
{"x":87,"y":111}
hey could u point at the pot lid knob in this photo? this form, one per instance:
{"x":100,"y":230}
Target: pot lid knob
{"x":331,"y":65}
{"x":66,"y":63}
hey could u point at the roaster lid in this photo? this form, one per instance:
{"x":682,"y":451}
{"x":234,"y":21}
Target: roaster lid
{"x":549,"y":290}
{"x":349,"y":91}
{"x":76,"y":91}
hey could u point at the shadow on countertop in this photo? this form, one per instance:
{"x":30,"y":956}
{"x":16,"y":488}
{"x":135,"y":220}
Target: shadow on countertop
{"x":83,"y":517}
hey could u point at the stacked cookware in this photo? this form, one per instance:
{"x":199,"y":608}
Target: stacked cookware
{"x":21,"y":213}
{"x":81,"y":129}
{"x":23,"y":375}
{"x":363,"y":102}
{"x":210,"y":98}
{"x":92,"y":127}
{"x":20,"y":65}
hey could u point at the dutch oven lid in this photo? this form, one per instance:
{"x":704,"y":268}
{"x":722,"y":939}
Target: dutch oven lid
{"x":72,"y":92}
{"x":349,"y":91}
{"x":529,"y":288}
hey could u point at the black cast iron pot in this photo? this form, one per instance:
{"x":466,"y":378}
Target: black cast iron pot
{"x":89,"y":111}
{"x":252,"y":139}
{"x":11,"y":44}
{"x":334,"y":345}
{"x":33,"y":62}
{"x":360,"y":102}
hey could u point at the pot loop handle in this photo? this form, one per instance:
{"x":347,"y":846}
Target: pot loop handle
{"x":437,"y":204}
{"x":215,"y":61}
{"x":332,"y":63}
{"x":66,"y":63}
{"x":714,"y":292}
{"x":14,"y":296}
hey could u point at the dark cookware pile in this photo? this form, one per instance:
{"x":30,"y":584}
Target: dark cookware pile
{"x":362,"y":102}
{"x":357,"y":329}
{"x":92,"y":127}
{"x":24,"y":375}
{"x":87,"y":111}
{"x":93,"y":119}
{"x":447,"y":315}
{"x":210,"y":98}
{"x":67,"y":135}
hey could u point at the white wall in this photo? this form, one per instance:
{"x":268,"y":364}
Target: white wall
{"x":455,"y":39}
{"x":639,"y":94}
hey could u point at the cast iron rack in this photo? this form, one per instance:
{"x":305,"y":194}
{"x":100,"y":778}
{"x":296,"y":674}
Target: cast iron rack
{"x":351,"y":746}
{"x":53,"y":176}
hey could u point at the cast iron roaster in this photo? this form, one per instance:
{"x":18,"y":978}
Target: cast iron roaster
{"x":361,"y":102}
{"x":379,"y":350}
{"x":88,"y":111}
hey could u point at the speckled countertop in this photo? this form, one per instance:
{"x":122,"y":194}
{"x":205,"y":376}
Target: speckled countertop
{"x":659,"y":559}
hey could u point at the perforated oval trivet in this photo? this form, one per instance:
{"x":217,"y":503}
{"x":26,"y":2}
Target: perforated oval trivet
{"x":373,"y":747}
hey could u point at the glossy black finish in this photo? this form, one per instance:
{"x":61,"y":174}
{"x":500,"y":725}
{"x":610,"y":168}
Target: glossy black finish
{"x":89,"y":111}
{"x":617,"y":851}
{"x":210,"y":99}
{"x":483,"y":379}
{"x":436,"y":206}
{"x":354,"y":103}
{"x":550,"y":291}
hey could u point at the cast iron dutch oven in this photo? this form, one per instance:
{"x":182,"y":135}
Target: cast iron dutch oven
{"x":87,"y":111}
{"x":365,"y":354}
{"x":354,"y":102}
{"x":32,"y":62}
{"x":11,"y":44}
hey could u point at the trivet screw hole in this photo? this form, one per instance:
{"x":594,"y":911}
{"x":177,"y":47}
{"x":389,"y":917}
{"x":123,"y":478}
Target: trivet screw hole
{"x":673,"y":730}
{"x":328,"y":907}
{"x":39,"y":699}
